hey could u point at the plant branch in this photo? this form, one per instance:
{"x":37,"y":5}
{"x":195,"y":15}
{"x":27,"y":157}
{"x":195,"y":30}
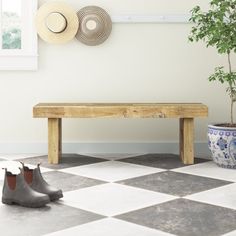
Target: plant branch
{"x":229,"y":61}
{"x":231,"y":112}
{"x":231,"y":90}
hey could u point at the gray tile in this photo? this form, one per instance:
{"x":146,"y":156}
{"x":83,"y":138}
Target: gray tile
{"x":173,"y":183}
{"x":17,"y":220}
{"x":165,"y":161}
{"x":66,"y":161}
{"x":69,"y":182}
{"x":185,"y":218}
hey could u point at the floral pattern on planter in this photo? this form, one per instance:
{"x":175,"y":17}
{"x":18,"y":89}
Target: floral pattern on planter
{"x":222,"y":143}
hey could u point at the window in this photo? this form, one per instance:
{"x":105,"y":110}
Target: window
{"x":18,"y":38}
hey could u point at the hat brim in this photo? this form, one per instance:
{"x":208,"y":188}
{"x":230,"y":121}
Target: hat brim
{"x":70,"y":15}
{"x":103,"y":25}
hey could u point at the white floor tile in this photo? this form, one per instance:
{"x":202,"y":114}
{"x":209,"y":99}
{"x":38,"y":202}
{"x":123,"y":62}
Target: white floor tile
{"x":1,"y":195}
{"x":110,"y":227}
{"x":232,"y":233}
{"x":209,"y":169}
{"x":112,"y":171}
{"x":113,"y":199}
{"x":19,"y":156}
{"x":223,"y":196}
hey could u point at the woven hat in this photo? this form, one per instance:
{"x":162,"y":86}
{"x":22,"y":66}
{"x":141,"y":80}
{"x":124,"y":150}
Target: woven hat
{"x":56,"y":22}
{"x":95,"y":25}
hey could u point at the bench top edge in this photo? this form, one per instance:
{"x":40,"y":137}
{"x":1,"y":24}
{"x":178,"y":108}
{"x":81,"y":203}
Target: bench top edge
{"x":57,"y":105}
{"x":116,"y":110}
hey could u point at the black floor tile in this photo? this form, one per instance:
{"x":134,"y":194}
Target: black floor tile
{"x":183,"y":217}
{"x":165,"y":161}
{"x":69,"y":182}
{"x":66,"y":161}
{"x":22,"y":221}
{"x":177,"y":184}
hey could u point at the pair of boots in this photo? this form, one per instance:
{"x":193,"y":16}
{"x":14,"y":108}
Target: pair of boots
{"x":28,"y":188}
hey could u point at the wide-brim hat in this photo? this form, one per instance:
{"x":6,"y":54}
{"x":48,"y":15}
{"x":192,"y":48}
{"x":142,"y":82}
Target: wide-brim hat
{"x":95,"y":25}
{"x":56,"y":22}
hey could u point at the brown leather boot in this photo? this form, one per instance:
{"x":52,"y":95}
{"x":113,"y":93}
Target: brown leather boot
{"x":16,"y":191}
{"x":36,"y":181}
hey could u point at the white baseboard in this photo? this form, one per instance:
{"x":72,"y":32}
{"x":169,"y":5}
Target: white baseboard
{"x":201,"y":148}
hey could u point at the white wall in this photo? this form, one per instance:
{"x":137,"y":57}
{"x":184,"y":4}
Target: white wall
{"x":138,"y":63}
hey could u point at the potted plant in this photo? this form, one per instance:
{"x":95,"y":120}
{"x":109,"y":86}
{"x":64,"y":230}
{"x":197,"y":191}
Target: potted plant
{"x":217,"y":28}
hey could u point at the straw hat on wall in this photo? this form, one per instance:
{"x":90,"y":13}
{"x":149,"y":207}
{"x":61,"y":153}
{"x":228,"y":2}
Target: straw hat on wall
{"x":95,"y":25}
{"x":56,"y":22}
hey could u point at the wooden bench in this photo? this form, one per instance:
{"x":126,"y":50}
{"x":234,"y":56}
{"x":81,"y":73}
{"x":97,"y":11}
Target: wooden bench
{"x":185,"y":112}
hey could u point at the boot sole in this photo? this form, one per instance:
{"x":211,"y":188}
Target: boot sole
{"x":31,"y":205}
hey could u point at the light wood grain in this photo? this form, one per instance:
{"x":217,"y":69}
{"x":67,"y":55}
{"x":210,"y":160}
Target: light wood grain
{"x":60,"y":137}
{"x":120,"y":110}
{"x":54,"y":140}
{"x":186,"y":140}
{"x":185,"y":112}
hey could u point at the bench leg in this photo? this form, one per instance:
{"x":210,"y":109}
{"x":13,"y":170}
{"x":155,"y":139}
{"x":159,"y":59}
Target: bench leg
{"x":60,"y":138}
{"x":186,"y":140}
{"x":54,"y":140}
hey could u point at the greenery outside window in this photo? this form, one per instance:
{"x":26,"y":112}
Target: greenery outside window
{"x":18,"y":38}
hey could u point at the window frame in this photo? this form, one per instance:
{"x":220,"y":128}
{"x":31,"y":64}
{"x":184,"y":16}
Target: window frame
{"x":25,"y":58}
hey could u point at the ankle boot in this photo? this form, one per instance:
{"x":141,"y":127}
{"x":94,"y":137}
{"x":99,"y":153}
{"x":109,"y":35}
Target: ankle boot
{"x":36,"y":181}
{"x":16,"y":191}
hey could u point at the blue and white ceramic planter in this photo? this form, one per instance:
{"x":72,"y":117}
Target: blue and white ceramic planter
{"x":222,"y":143}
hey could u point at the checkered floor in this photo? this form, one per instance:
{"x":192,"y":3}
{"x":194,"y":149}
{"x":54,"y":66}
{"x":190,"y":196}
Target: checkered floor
{"x":117,"y":195}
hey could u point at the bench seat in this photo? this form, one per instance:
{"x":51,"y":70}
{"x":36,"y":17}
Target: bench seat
{"x":185,"y":112}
